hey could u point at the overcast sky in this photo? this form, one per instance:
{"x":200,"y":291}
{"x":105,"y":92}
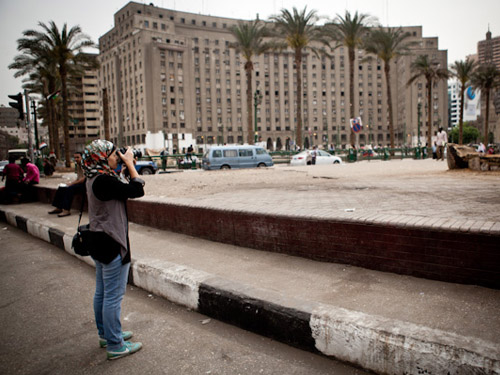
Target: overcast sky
{"x":459,"y":24}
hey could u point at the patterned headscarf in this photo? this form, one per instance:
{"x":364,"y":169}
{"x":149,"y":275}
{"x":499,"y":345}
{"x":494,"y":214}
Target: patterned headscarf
{"x":95,"y":159}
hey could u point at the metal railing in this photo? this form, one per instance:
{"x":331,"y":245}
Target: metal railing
{"x":352,"y":155}
{"x":178,"y":161}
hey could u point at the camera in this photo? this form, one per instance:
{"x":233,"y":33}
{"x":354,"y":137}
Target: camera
{"x":123,"y":150}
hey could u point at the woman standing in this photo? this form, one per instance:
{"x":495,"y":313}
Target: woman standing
{"x":107,"y":198}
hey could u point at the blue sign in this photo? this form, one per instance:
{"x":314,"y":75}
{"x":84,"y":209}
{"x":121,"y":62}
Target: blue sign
{"x":471,"y":94}
{"x":356,"y":124}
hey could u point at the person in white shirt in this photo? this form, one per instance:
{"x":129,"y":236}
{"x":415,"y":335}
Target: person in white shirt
{"x":442,"y":139}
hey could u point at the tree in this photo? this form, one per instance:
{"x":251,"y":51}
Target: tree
{"x":37,"y":63}
{"x":432,"y":72}
{"x":469,"y":133}
{"x":388,"y":44}
{"x":350,"y":30}
{"x":64,"y":47}
{"x":463,"y":71}
{"x":486,"y":78}
{"x":299,"y":31}
{"x":250,"y":42}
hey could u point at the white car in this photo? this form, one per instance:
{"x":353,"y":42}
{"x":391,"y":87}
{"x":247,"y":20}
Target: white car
{"x":323,"y":157}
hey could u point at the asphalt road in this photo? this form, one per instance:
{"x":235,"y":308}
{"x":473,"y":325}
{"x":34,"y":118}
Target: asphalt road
{"x":47,"y":326}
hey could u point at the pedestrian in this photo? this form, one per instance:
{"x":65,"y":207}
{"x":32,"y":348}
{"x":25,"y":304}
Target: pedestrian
{"x":481,"y":148}
{"x":441,"y":140}
{"x":189,"y":153}
{"x":31,"y":178}
{"x":65,"y":193}
{"x":13,"y":175}
{"x":48,"y":168}
{"x":107,"y":197}
{"x":314,"y":154}
{"x":308,"y":157}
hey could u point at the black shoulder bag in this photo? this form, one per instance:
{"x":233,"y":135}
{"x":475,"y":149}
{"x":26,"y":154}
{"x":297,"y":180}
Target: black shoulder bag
{"x":83,"y":239}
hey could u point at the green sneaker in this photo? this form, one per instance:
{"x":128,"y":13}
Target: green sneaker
{"x":127,"y":349}
{"x":127,"y":335}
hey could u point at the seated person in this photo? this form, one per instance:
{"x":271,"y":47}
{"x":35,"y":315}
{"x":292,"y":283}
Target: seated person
{"x":64,"y":194}
{"x":13,"y":185}
{"x":32,"y":178}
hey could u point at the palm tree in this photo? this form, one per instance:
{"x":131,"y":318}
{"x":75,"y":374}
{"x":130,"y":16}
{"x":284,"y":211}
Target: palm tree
{"x":37,"y":63}
{"x":387,"y":45}
{"x":250,"y":43}
{"x":350,"y":31}
{"x":486,"y":78}
{"x":432,"y":72}
{"x":299,"y":32}
{"x":64,"y":45}
{"x":463,"y":71}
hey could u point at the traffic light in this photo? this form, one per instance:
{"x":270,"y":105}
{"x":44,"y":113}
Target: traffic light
{"x":18,"y":104}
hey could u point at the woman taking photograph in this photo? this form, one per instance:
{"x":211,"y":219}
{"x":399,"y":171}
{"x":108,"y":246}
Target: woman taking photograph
{"x":107,"y":198}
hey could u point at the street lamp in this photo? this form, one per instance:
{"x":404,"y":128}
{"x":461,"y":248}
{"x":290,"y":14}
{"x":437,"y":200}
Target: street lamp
{"x":257,"y":99}
{"x":221,"y":128}
{"x":337,"y":141}
{"x":419,"y":113}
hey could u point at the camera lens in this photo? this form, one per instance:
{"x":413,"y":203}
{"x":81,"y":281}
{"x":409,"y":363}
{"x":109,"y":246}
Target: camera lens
{"x":136,"y":153}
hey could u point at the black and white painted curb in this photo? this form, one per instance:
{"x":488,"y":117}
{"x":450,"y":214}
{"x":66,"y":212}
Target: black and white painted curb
{"x":385,"y":346}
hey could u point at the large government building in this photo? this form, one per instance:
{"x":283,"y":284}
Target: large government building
{"x":174,"y":73}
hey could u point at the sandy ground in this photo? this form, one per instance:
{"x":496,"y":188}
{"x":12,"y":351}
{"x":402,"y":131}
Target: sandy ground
{"x":192,"y":183}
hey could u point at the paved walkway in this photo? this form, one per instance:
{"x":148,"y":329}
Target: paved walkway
{"x":379,"y":321}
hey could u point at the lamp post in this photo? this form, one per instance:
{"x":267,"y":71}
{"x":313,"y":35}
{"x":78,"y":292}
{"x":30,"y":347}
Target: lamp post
{"x":419,"y":114}
{"x":257,"y":98}
{"x":337,"y":145}
{"x":404,"y":134}
{"x":221,"y":128}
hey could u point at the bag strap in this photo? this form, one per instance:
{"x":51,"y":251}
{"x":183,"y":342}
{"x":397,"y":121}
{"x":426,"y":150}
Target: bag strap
{"x":81,"y":211}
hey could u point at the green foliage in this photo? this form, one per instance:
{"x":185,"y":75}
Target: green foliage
{"x":470,"y":134}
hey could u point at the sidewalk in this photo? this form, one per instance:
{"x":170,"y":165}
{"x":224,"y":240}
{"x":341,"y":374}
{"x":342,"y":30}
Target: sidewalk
{"x":380,"y":321}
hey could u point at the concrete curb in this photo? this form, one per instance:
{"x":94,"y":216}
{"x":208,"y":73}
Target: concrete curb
{"x":372,"y":342}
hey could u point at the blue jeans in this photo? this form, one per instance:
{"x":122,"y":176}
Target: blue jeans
{"x":111,"y":282}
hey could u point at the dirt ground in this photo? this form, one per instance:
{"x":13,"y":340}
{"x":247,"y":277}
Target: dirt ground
{"x":190,"y":183}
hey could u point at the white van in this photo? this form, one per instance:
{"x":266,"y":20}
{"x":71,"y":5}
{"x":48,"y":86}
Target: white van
{"x":227,"y":157}
{"x":18,"y":153}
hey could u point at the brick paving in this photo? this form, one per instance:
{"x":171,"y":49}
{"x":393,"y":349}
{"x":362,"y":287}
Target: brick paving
{"x":459,"y":200}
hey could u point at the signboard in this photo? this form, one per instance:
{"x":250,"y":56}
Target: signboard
{"x":356,"y":124}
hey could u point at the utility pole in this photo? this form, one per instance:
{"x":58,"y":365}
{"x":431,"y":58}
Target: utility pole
{"x":105,"y":111}
{"x":33,"y":103}
{"x":28,"y":126}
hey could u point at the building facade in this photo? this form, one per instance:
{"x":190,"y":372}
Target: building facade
{"x":175,"y":73}
{"x":84,"y":110}
{"x":488,"y":51}
{"x":10,"y":124}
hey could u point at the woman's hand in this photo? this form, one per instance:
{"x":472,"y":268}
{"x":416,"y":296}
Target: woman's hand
{"x":128,"y":160}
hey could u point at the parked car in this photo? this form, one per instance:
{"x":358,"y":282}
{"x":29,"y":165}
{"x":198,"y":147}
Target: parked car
{"x":143,"y":167}
{"x":322,"y":157}
{"x":227,"y":157}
